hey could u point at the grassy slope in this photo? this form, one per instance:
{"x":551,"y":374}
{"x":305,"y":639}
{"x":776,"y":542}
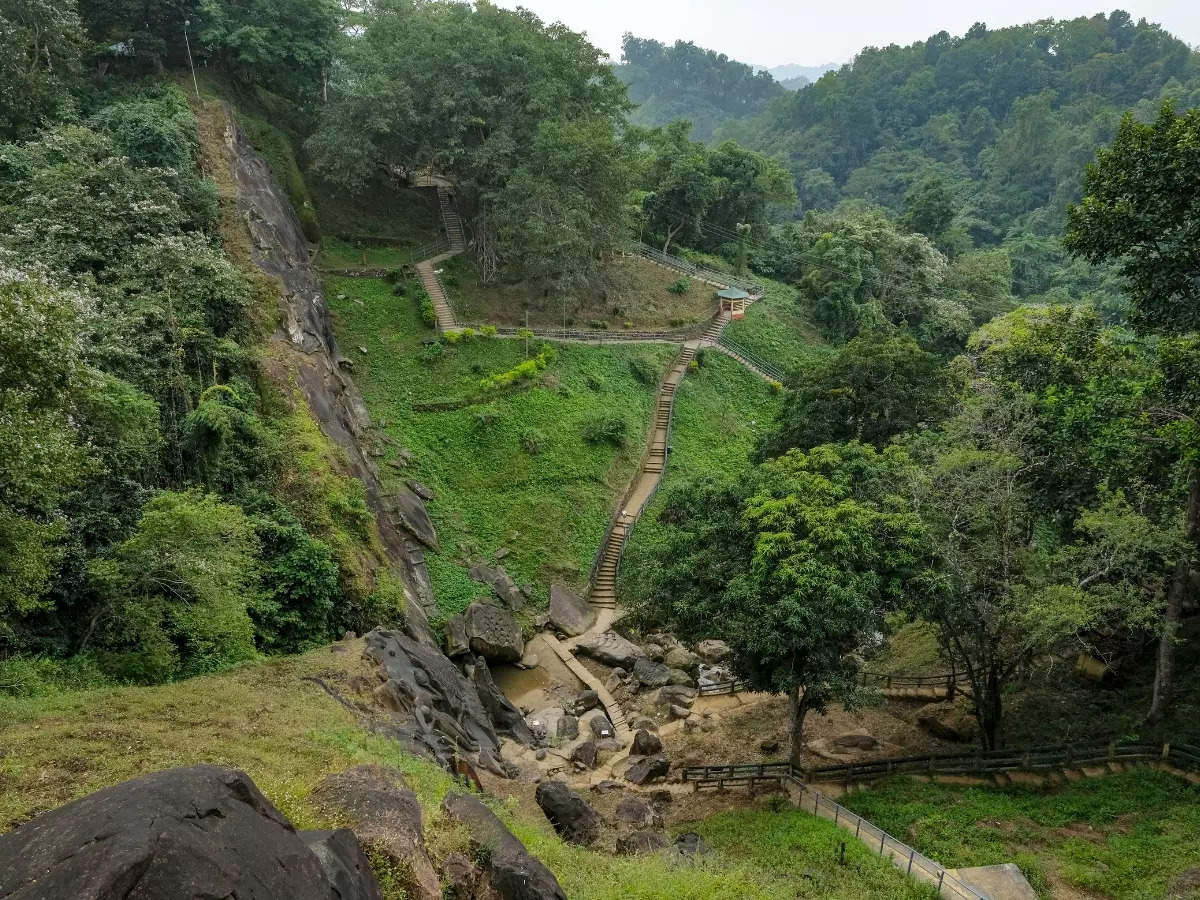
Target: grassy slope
{"x":626,"y":289}
{"x":775,"y":329}
{"x":1126,"y":835}
{"x":287,"y":734}
{"x":548,"y":509}
{"x":720,"y":409}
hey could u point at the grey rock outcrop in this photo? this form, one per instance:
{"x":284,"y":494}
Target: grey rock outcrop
{"x":585,"y":754}
{"x":511,"y":871}
{"x":609,"y":647}
{"x":385,"y":814}
{"x":501,"y":584}
{"x":651,"y":674}
{"x":441,"y":713}
{"x":636,"y":811}
{"x":572,"y":817}
{"x":713,"y":651}
{"x":346,"y":868}
{"x":457,"y":642}
{"x":645,"y":743}
{"x":681,"y":658}
{"x":191,"y":833}
{"x":505,"y":718}
{"x":647,"y":769}
{"x":569,"y":613}
{"x":585,"y":701}
{"x":493,"y":633}
{"x":948,"y":721}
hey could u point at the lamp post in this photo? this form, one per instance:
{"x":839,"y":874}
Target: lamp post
{"x":191,"y":65}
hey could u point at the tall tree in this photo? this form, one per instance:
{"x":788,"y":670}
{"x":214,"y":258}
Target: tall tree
{"x":793,"y":567}
{"x":1141,"y":209}
{"x":40,"y":46}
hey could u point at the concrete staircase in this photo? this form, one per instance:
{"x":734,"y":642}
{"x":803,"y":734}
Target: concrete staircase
{"x":712,"y":333}
{"x":433,"y":287}
{"x":451,"y":221}
{"x":603,"y":593}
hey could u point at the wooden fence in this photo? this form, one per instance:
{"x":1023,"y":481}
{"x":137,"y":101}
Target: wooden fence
{"x":882,"y":680}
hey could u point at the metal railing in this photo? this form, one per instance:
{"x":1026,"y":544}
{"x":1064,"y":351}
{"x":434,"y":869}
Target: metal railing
{"x":883,"y":680}
{"x":703,"y":273}
{"x":677,"y":335}
{"x":428,"y":251}
{"x":904,"y":857}
{"x":737,"y":350}
{"x":637,"y":477}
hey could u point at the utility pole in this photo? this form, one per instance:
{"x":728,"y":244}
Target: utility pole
{"x":191,"y":65}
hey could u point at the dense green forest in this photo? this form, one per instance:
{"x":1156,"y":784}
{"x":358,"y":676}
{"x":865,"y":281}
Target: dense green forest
{"x":687,"y":82}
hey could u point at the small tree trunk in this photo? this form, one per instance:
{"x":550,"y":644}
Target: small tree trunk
{"x":671,"y":232}
{"x":798,"y":704}
{"x":1164,"y":674}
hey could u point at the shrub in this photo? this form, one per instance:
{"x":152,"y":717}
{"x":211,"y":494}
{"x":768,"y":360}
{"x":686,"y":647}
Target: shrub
{"x":467,"y":334}
{"x":392,"y":276}
{"x":520,"y":372}
{"x":680,"y":286}
{"x":775,"y":387}
{"x":643,"y":370}
{"x":694,"y":366}
{"x":678,"y":323}
{"x":425,"y":304}
{"x":598,"y":325}
{"x":432,"y":352}
{"x":486,"y":418}
{"x":627,"y":324}
{"x":488,"y":331}
{"x":451,"y":337}
{"x":608,"y":428}
{"x":532,"y":441}
{"x":594,"y":383}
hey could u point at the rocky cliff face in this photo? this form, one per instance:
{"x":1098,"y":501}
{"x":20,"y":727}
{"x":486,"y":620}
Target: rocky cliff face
{"x":441,"y":709}
{"x":279,"y":248}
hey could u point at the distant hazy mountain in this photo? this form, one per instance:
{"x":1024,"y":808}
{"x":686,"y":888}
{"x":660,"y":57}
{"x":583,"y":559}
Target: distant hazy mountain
{"x":792,"y":71}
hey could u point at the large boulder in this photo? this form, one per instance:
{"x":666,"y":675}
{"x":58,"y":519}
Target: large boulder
{"x":501,"y":584}
{"x":675,"y":695}
{"x":650,"y":674}
{"x":610,"y":648}
{"x":440,"y":712}
{"x":691,"y":844}
{"x":341,"y":857}
{"x":568,"y":812}
{"x":599,"y":724}
{"x":506,"y":718}
{"x":681,"y":658}
{"x":493,"y":633}
{"x":948,"y":721}
{"x":855,"y":740}
{"x":570,"y":613}
{"x":585,"y":754}
{"x":708,"y":675}
{"x":712,"y":651}
{"x":647,"y":769}
{"x":191,"y":833}
{"x":457,"y":642}
{"x":636,"y":811}
{"x":639,"y":842}
{"x":385,"y":814}
{"x":512,"y":872}
{"x":645,"y":743}
{"x":585,"y":701}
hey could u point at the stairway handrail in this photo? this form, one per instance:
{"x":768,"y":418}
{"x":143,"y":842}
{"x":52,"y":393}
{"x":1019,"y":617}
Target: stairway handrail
{"x":704,"y":273}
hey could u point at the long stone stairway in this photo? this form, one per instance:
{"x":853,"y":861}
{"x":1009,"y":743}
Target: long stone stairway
{"x":427,"y":269}
{"x":603,"y":592}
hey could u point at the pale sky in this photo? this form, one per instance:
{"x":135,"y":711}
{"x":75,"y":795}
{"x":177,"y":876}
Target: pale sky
{"x":774,"y":32}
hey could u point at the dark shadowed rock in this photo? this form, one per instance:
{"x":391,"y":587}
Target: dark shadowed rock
{"x":948,"y":721}
{"x":513,"y":873}
{"x":644,"y":841}
{"x":493,"y":633}
{"x":585,"y":754}
{"x":457,"y":642}
{"x":568,"y":812}
{"x":501,"y":584}
{"x":385,"y":814}
{"x":855,"y":740}
{"x":645,"y":743}
{"x":186,"y":834}
{"x":769,"y":746}
{"x":609,"y":647}
{"x":568,"y":728}
{"x":646,"y":770}
{"x":505,"y":717}
{"x":346,"y":868}
{"x":460,"y":876}
{"x":636,"y":811}
{"x":569,"y":613}
{"x":691,"y":844}
{"x":650,"y":674}
{"x":587,"y":700}
{"x":441,"y":714}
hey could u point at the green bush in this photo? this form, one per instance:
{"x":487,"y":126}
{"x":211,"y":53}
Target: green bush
{"x":680,"y":286}
{"x":627,"y":324}
{"x":432,"y":352}
{"x":532,"y":441}
{"x":643,"y":370}
{"x":598,"y":325}
{"x":425,"y":305}
{"x":451,"y":337}
{"x":488,"y":331}
{"x":521,"y":372}
{"x":38,"y":676}
{"x":609,"y":428}
{"x":775,"y":387}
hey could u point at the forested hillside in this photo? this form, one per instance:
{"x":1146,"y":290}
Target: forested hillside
{"x":980,"y":139}
{"x":684,"y":81}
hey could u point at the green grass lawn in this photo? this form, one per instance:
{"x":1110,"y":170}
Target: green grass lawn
{"x":1122,"y":836}
{"x":337,"y":254}
{"x":549,"y":508}
{"x":801,"y":853}
{"x":775,"y":329}
{"x":623,"y":290}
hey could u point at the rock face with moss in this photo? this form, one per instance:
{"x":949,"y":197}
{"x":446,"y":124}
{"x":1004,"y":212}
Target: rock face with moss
{"x":306,"y":345}
{"x":202,"y":831}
